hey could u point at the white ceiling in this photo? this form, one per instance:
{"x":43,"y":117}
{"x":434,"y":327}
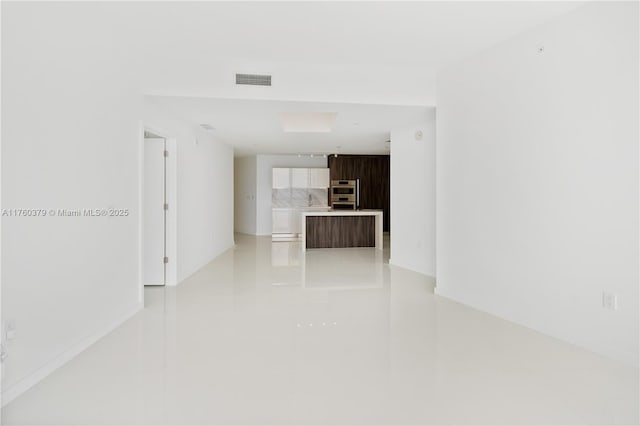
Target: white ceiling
{"x":253,"y":126}
{"x":428,"y":33}
{"x":352,"y":58}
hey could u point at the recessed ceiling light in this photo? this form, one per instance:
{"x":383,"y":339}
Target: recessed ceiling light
{"x":307,"y":122}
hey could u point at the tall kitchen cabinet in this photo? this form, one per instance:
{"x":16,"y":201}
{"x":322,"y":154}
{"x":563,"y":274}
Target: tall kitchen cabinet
{"x":375,"y":180}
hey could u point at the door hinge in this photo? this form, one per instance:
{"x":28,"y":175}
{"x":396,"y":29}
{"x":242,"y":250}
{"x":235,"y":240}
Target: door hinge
{"x":166,"y":206}
{"x":166,"y":259}
{"x":166,"y":153}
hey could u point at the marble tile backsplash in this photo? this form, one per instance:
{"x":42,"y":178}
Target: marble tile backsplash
{"x":298,"y":197}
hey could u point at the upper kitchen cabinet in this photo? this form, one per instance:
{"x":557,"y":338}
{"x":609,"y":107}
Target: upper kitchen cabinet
{"x":310,"y":178}
{"x":319,"y":178}
{"x":280,"y":178}
{"x":299,"y":178}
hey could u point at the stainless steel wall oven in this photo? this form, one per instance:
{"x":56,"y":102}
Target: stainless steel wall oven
{"x":345,"y":194}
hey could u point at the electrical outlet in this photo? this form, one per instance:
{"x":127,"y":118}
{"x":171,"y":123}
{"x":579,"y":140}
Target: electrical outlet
{"x":610,"y":301}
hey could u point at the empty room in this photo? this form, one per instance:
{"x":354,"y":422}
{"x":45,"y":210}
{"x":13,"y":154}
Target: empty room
{"x":310,"y":212}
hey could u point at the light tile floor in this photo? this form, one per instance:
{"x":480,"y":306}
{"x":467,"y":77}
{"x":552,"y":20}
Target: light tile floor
{"x":267,"y":334}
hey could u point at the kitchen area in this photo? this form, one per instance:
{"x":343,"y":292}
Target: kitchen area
{"x":343,"y":205}
{"x":296,"y":190}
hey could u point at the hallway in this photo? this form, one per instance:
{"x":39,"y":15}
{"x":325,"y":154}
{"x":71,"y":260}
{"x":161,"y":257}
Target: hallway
{"x":268,"y":334}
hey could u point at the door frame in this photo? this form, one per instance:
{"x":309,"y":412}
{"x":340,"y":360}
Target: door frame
{"x":171,"y":271}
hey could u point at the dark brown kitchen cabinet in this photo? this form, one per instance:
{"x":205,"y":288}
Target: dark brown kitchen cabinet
{"x":374,"y":174}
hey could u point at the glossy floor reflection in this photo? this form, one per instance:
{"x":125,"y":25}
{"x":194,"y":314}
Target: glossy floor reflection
{"x":267,"y":334}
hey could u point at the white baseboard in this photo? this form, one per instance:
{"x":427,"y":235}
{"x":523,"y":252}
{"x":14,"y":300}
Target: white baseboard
{"x":15,"y":390}
{"x":397,"y":265}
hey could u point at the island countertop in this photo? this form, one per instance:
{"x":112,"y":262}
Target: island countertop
{"x":338,"y":231}
{"x":343,"y":212}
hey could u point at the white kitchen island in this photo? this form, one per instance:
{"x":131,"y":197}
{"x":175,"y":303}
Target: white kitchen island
{"x":342,"y":228}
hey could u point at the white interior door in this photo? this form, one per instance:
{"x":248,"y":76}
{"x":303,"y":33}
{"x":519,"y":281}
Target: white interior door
{"x":154,"y":223}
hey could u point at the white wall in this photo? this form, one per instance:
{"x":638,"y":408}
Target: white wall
{"x":71,"y":136}
{"x":390,"y":84}
{"x":245,"y":195}
{"x":69,"y":140}
{"x":413,"y":198}
{"x":263,"y":186}
{"x":537,"y":182}
{"x":204,"y":190}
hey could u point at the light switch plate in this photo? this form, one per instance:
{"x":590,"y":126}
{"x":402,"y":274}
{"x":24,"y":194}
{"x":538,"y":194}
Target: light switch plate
{"x":610,"y":301}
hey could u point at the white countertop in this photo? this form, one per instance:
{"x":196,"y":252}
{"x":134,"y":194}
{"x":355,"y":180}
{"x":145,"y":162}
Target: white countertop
{"x":306,"y":208}
{"x":343,"y":212}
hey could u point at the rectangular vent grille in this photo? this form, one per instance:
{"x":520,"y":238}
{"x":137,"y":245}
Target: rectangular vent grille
{"x":253,"y":79}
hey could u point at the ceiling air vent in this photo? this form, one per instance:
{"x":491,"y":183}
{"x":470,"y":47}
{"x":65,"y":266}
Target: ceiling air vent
{"x":253,"y":79}
{"x":207,"y":127}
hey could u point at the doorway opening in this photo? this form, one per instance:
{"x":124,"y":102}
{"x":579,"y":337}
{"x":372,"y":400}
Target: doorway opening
{"x":154,"y":211}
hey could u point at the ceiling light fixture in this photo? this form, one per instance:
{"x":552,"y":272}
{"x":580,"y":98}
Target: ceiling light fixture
{"x":307,"y":122}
